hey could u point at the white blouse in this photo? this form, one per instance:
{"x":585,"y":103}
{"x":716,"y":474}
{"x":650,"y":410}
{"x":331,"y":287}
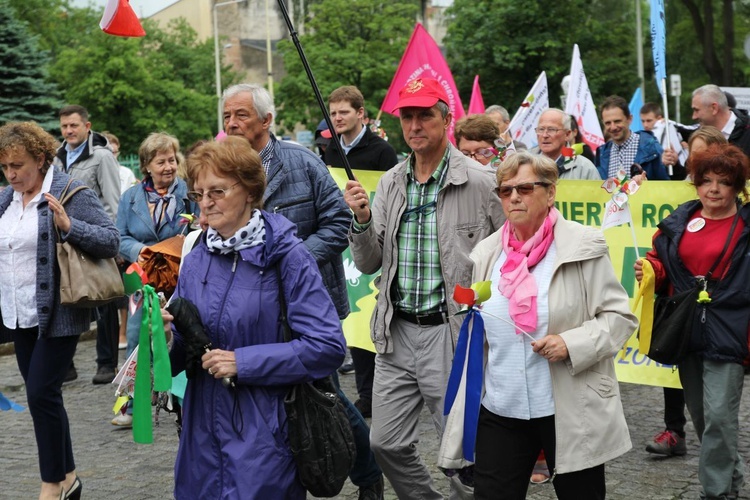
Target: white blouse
{"x":517,"y":380}
{"x":19,"y":232}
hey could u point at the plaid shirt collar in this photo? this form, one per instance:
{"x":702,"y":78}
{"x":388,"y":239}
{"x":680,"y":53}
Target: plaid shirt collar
{"x":266,"y":154}
{"x":438,"y":174}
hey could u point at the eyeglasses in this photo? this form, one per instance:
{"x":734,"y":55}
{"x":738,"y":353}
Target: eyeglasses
{"x":524,"y":189}
{"x":414,"y":213}
{"x":212,"y":194}
{"x":547,"y":130}
{"x":480,"y":153}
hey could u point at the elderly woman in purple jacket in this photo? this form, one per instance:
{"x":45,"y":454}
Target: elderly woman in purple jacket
{"x":234,"y":440}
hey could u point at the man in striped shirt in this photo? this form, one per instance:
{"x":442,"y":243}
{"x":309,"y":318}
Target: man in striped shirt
{"x":427,"y":214}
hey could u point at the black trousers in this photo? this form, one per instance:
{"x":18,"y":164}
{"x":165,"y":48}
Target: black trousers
{"x":364,"y":371}
{"x":674,"y":410}
{"x":107,"y":335}
{"x":506,"y":451}
{"x":43,"y":364}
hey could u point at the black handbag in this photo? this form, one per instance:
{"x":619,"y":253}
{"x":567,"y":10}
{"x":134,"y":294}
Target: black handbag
{"x":320,"y":435}
{"x":675,"y":315}
{"x":673,"y":324}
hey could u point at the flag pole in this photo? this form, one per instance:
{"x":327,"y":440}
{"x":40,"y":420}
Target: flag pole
{"x":316,"y":90}
{"x":635,"y":240}
{"x":665,"y":105}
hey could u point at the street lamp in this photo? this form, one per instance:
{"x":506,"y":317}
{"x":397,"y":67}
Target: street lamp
{"x":217,"y":59}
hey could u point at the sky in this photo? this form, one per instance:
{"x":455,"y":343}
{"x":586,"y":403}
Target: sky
{"x":143,"y":8}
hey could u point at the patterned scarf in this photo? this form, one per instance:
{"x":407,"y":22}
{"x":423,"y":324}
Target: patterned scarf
{"x":165,"y":206}
{"x":250,"y":235}
{"x":517,"y":284}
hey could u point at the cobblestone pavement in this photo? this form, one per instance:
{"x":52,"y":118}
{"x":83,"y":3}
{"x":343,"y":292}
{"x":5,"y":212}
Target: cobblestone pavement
{"x":111,"y":466}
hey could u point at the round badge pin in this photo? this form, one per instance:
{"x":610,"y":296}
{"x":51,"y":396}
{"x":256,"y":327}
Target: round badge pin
{"x":696,"y":225}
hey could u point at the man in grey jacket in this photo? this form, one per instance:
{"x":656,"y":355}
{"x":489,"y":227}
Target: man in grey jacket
{"x":428,"y":213}
{"x":85,"y":155}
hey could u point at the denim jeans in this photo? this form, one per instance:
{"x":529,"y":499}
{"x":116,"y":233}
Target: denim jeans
{"x":365,"y":471}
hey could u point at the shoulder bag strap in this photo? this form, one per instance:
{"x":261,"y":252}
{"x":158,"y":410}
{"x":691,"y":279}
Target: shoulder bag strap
{"x":66,"y":195}
{"x":726,"y":244}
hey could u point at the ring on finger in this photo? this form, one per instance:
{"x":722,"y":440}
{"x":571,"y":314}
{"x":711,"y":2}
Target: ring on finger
{"x":210,"y":372}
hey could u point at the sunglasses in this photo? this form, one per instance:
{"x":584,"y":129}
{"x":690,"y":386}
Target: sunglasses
{"x":415,"y":213}
{"x":524,"y":189}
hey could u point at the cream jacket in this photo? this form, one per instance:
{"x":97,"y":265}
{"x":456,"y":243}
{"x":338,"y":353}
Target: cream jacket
{"x":589,"y":310}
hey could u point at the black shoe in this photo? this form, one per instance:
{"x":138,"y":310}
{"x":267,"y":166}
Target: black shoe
{"x":346,"y":368}
{"x":364,"y":406}
{"x":74,"y":493}
{"x":104,"y":375}
{"x":71,"y":375}
{"x":372,"y":492}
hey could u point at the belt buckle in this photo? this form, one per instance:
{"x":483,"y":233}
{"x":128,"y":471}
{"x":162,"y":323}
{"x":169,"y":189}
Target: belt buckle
{"x":419,"y":317}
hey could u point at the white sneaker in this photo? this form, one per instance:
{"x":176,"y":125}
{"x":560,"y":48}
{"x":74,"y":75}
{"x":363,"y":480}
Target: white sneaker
{"x":123,"y":420}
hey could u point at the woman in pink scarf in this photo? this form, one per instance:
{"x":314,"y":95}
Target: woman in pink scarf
{"x":552,"y":281}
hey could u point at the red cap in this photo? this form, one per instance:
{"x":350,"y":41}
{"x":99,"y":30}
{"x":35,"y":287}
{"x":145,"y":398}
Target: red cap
{"x":326,"y":133}
{"x":421,"y":93}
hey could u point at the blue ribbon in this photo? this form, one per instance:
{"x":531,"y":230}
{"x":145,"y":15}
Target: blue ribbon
{"x":6,"y":404}
{"x":473,"y":342}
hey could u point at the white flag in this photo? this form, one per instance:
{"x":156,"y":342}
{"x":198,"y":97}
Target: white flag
{"x":527,"y":116}
{"x":615,"y":215}
{"x":580,"y":104}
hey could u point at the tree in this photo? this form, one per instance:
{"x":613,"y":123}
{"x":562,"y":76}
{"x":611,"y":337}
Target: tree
{"x":131,"y":86}
{"x":510,"y":52}
{"x":27,"y":94}
{"x":347,"y":42}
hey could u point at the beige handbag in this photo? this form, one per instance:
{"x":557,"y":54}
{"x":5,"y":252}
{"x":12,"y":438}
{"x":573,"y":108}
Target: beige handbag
{"x":84,"y":280}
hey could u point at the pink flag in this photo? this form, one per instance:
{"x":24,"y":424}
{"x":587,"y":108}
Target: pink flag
{"x":476,"y":105}
{"x":423,"y":58}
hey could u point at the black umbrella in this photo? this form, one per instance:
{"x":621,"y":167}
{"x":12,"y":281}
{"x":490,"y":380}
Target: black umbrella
{"x":188,"y":322}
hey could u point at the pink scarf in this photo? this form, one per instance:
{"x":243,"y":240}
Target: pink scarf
{"x":517,"y":284}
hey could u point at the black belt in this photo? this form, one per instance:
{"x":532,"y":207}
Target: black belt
{"x":431,"y":319}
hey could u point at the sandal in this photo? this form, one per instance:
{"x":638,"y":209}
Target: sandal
{"x":540,"y":474}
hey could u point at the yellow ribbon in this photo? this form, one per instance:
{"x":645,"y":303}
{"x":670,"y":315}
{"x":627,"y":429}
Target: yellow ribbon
{"x":646,"y":291}
{"x":119,"y":403}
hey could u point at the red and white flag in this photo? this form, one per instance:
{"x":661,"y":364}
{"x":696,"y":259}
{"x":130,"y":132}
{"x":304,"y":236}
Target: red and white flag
{"x":476,"y":104}
{"x":524,"y":121}
{"x":422,"y":58}
{"x":119,"y":19}
{"x":581,"y":105}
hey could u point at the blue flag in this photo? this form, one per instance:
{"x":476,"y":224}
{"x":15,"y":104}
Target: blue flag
{"x":659,"y":41}
{"x":636,"y":103}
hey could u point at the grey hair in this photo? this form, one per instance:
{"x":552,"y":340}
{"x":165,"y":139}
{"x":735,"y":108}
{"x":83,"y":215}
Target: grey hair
{"x":262,"y":101}
{"x":496,"y":108}
{"x":567,"y":121}
{"x":712,"y":93}
{"x":444,"y":108}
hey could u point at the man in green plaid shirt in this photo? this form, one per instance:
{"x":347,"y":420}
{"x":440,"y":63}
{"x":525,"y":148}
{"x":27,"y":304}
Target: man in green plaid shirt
{"x":428,"y":213}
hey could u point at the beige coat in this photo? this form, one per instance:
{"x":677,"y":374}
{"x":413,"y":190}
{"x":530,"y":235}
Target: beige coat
{"x":468,"y":210}
{"x":589,"y":310}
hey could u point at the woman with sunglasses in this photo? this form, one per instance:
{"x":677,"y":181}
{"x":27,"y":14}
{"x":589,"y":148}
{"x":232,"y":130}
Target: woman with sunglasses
{"x":552,"y":280}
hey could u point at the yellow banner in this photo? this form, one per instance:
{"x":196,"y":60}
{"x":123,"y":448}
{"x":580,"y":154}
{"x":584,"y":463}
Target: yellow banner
{"x":580,"y":201}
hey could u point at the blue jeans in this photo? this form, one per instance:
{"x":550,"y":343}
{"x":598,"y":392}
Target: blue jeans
{"x":366,"y":470}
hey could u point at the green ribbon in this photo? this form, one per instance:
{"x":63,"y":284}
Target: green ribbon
{"x":152,"y":344}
